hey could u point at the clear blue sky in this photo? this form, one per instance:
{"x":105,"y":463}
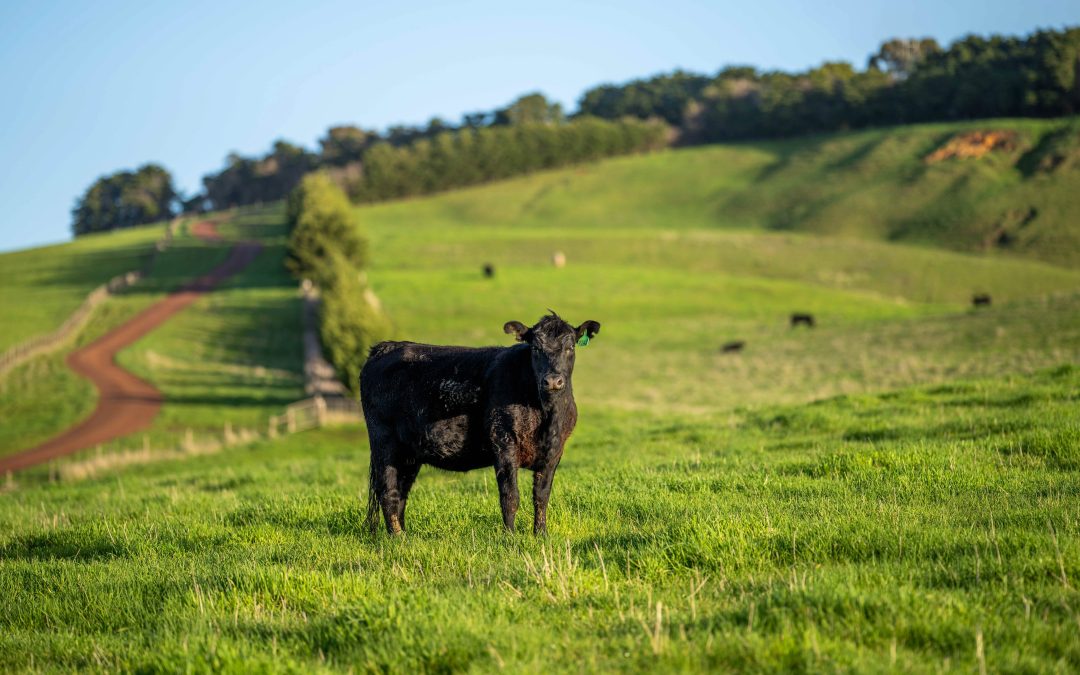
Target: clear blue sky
{"x":92,"y":87}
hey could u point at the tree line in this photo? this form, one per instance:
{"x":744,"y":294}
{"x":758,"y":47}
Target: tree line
{"x":530,"y":134}
{"x":905,"y":81}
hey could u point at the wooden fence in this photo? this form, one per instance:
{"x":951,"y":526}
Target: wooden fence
{"x":314,"y":412}
{"x":43,"y":344}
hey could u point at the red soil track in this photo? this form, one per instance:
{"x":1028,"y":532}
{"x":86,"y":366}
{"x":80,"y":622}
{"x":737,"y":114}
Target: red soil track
{"x":126,"y":403}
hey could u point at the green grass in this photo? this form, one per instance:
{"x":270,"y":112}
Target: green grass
{"x":887,"y":491}
{"x":42,"y":397}
{"x":866,"y":532}
{"x":41,"y":287}
{"x":216,"y":362}
{"x":235,"y":355}
{"x":868,"y":184}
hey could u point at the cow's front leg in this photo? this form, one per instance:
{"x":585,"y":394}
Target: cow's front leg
{"x":542,"y":480}
{"x":506,"y":474}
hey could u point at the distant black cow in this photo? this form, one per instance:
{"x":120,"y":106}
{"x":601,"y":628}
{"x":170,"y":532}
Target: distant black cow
{"x":804,"y":319}
{"x":980,"y":300}
{"x":462,"y":408}
{"x":489,"y":270}
{"x":733,"y":346}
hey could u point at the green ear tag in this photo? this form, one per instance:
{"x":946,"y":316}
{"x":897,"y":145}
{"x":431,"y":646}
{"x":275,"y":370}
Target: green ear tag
{"x":583,"y":341}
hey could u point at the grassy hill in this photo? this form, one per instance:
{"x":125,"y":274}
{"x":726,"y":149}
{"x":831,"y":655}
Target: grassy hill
{"x":868,"y":184}
{"x":215,"y":361}
{"x":41,"y":287}
{"x":893,"y":489}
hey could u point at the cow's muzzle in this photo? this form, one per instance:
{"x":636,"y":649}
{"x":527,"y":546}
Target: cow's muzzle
{"x":554,"y":382}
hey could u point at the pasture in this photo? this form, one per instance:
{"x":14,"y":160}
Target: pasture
{"x":215,"y":361}
{"x":896,"y":488}
{"x":926,"y":529}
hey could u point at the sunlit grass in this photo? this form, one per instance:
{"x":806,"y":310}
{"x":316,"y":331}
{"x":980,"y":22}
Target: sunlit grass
{"x":859,"y":532}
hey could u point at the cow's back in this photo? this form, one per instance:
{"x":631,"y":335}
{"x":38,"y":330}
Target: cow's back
{"x":430,"y":398}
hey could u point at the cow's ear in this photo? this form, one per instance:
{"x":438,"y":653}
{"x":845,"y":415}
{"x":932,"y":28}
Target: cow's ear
{"x":517,"y":329}
{"x":589,"y":329}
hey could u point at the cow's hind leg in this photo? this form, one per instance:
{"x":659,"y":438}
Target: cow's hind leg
{"x":406,"y":476}
{"x":383,"y":488}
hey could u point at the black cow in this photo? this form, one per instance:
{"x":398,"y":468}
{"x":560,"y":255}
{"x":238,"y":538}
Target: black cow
{"x":733,"y":346}
{"x":981,"y":300}
{"x":489,"y":270}
{"x":463,"y":408}
{"x":805,"y":319}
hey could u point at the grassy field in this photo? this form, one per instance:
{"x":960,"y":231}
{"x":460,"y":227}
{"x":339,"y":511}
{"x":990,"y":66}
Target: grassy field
{"x":235,"y":355}
{"x":924,"y":529}
{"x":215,"y":361}
{"x":41,"y":287}
{"x":869,"y":184}
{"x":898,"y":488}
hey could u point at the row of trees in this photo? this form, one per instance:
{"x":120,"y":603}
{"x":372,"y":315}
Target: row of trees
{"x":906,"y":81}
{"x":327,"y":247}
{"x":530,"y":133}
{"x":468,"y":157}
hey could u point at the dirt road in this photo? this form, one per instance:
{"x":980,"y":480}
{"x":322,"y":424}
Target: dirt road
{"x":127,"y":404}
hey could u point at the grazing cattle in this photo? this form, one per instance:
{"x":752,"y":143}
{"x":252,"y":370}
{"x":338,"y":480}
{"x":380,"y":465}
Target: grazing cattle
{"x":733,"y":346}
{"x":462,"y":408}
{"x":489,"y":270}
{"x":980,"y":300}
{"x":558,"y":259}
{"x":804,"y":319}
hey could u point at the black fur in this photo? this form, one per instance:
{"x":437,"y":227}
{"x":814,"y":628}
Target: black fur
{"x":463,"y":408}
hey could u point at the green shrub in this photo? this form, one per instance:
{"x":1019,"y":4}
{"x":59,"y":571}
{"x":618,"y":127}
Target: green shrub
{"x":322,"y":223}
{"x":349,"y":323}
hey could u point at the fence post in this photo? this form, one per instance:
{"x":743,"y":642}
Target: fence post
{"x":320,"y":410}
{"x":290,"y":418}
{"x":271,"y":427}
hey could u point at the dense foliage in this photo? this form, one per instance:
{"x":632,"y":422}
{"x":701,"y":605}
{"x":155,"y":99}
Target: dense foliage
{"x":905,"y":81}
{"x":252,"y":181}
{"x":350,"y":323}
{"x":321,"y":222}
{"x":529,"y":134}
{"x":124,"y":199}
{"x":326,"y":247}
{"x":467,"y":157}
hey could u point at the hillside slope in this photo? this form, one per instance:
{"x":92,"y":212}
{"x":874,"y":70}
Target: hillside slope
{"x":1017,"y":200}
{"x":233,"y":356}
{"x":895,"y":486}
{"x":41,"y":287}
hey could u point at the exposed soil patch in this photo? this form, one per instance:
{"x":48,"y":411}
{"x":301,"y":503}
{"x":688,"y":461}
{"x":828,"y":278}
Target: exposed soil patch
{"x":973,"y":145}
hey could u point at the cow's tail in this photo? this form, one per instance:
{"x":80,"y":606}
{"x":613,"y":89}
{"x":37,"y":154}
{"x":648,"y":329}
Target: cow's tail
{"x":371,"y":519}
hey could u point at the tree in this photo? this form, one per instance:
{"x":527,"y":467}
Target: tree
{"x":322,"y":224}
{"x":125,"y":199}
{"x":350,"y":325}
{"x":344,"y":144}
{"x":531,"y":108}
{"x":899,"y":57}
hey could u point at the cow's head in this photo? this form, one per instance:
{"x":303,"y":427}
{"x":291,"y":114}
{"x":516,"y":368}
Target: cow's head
{"x":554,"y":343}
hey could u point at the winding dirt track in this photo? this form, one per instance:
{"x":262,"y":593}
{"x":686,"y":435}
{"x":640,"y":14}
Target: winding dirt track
{"x":126,"y":403}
